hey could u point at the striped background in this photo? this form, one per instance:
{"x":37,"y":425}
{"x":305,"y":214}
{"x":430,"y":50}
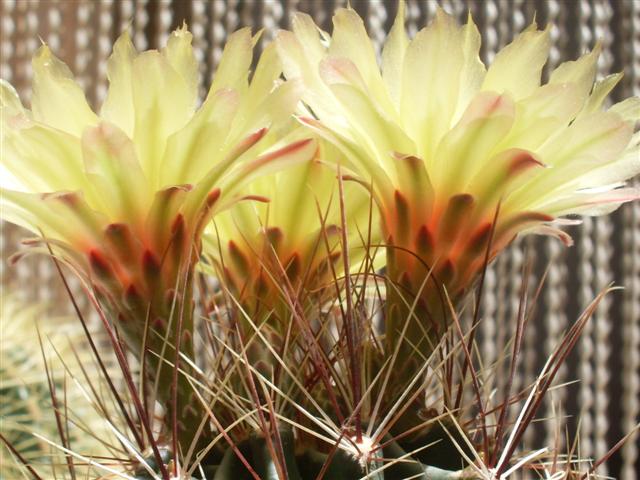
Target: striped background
{"x":607,"y":361}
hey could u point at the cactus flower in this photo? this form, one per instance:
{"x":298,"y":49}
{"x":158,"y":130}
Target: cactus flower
{"x":462,"y":157}
{"x":292,"y":238}
{"x":288,"y":248}
{"x":123,"y":196}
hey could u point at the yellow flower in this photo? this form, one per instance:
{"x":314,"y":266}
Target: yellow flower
{"x":289,"y":246}
{"x":446,"y":141}
{"x":123,"y":196}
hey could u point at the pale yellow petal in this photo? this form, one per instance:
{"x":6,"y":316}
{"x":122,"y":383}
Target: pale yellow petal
{"x":295,"y":60}
{"x":61,"y":215}
{"x":600,"y":91}
{"x":579,"y":73}
{"x":588,"y":144}
{"x":593,"y":204}
{"x":517,"y":68}
{"x":57,"y":99}
{"x":602,"y":136}
{"x":371,"y":129}
{"x":300,"y":61}
{"x":468,"y":147}
{"x":298,"y":190}
{"x":433,"y":63}
{"x":43,"y":159}
{"x":233,"y":70}
{"x":393,"y":55}
{"x":196,"y":148}
{"x":341,"y":70}
{"x":542,"y":115}
{"x":12,"y":115}
{"x":357,"y":157}
{"x":274,"y":160}
{"x":266,"y":75}
{"x":628,"y":109}
{"x":473,"y":70}
{"x":309,"y":35}
{"x":10,"y":104}
{"x":118,"y":107}
{"x":115,"y":174}
{"x":273,"y":111}
{"x":268,"y":103}
{"x":350,"y":40}
{"x":617,"y":172}
{"x":163,"y":103}
{"x":30,"y":212}
{"x":179,"y":54}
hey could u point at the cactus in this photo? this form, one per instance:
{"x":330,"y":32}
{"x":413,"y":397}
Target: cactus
{"x":279,"y":273}
{"x":24,"y":393}
{"x":27,"y":420}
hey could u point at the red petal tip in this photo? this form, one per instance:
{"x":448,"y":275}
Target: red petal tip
{"x":99,"y":263}
{"x":523,"y":161}
{"x":256,"y":198}
{"x":424,"y":239}
{"x":149,"y":262}
{"x":213,"y":196}
{"x":178,"y":224}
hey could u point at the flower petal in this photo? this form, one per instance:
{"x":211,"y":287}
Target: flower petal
{"x":579,"y":73}
{"x":57,"y":99}
{"x":180,"y":56}
{"x":600,"y":92}
{"x":163,"y":103}
{"x":350,"y":40}
{"x":43,"y":159}
{"x":467,"y":148}
{"x":629,"y":109}
{"x":517,"y":67}
{"x":192,"y":151}
{"x":10,"y":104}
{"x":542,"y":115}
{"x":433,"y":63}
{"x":233,"y":70}
{"x":115,"y":174}
{"x":118,"y":106}
{"x":588,"y":144}
{"x":393,"y":55}
{"x":473,"y":70}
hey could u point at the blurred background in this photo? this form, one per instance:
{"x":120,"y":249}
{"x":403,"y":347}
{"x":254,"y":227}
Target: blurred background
{"x":601,"y":395}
